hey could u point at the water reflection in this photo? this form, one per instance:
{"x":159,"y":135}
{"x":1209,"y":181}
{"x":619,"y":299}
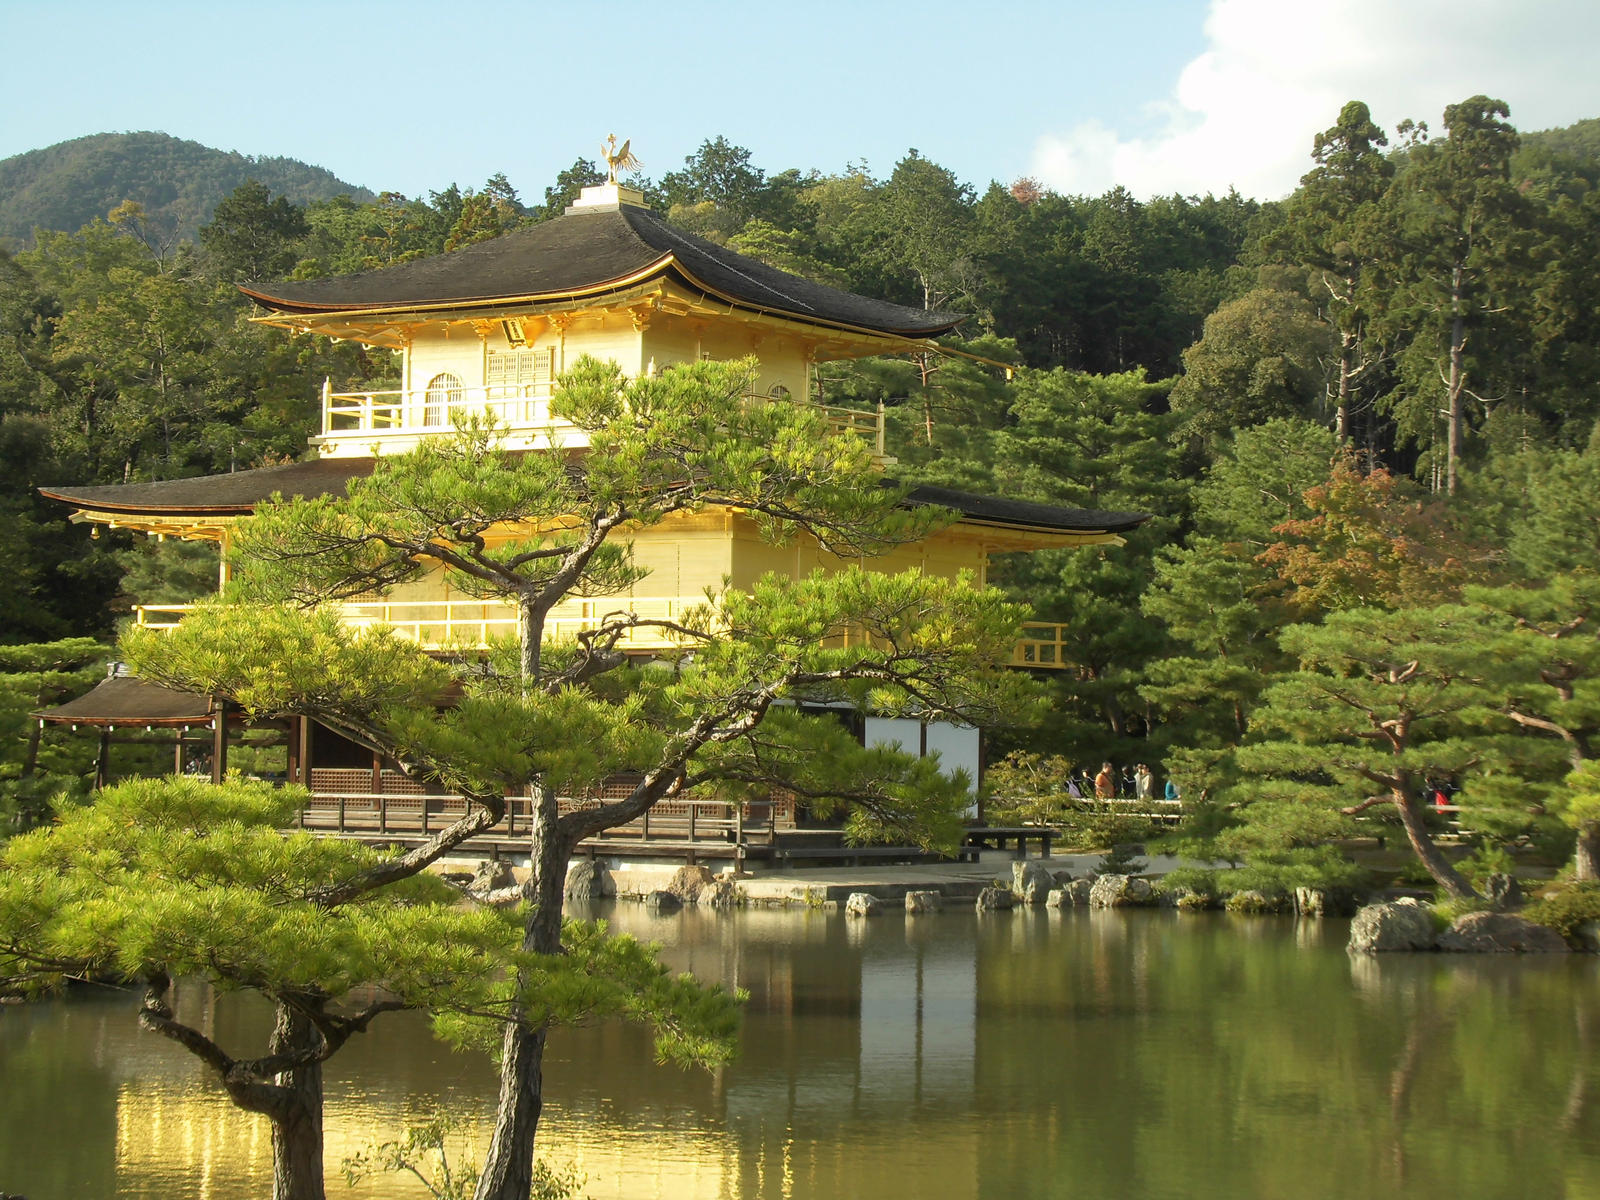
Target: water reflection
{"x":1031,"y":1053}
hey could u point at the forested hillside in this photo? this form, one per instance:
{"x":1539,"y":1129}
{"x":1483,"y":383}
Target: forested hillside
{"x":178,"y":183}
{"x":1364,"y":419}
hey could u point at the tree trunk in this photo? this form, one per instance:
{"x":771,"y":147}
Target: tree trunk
{"x":1586,"y":862}
{"x":1456,"y":386}
{"x":530,"y":634}
{"x":508,"y":1167}
{"x":1417,"y":834}
{"x":297,"y":1124}
{"x":1347,"y":358}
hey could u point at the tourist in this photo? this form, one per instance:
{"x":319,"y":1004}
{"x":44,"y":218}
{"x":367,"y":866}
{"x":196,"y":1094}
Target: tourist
{"x":1105,"y":783}
{"x":1144,"y":783}
{"x":1171,"y":792}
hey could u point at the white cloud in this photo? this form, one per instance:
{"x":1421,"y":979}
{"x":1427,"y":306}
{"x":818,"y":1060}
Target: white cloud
{"x":1274,"y":72}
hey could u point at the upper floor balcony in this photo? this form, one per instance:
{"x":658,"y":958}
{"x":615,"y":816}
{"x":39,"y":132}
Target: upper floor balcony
{"x":357,"y":423}
{"x":461,"y":626}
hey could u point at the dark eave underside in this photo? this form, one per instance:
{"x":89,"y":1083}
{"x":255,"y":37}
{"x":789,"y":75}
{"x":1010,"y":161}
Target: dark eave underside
{"x":236,"y":494}
{"x":1025,"y":514}
{"x":582,"y":253}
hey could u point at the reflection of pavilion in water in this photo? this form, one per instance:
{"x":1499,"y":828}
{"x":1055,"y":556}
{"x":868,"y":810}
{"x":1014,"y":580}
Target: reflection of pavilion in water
{"x":857,"y":1067}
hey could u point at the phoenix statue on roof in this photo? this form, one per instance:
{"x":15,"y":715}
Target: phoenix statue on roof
{"x":619,"y":160}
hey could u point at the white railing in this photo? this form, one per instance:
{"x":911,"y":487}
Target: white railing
{"x":516,"y":406}
{"x":473,"y":624}
{"x":520,"y":408}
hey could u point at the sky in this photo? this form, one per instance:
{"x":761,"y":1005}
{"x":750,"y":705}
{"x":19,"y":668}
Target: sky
{"x":1158,"y":96}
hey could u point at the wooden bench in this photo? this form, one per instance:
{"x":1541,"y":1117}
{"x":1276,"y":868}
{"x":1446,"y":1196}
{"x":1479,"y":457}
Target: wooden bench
{"x":995,"y":837}
{"x":854,"y":856}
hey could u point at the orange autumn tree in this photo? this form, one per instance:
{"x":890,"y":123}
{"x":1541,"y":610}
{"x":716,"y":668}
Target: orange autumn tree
{"x":1371,"y":540}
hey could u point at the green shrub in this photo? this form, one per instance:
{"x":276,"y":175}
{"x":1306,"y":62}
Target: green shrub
{"x":1307,"y":866}
{"x":1200,"y":880}
{"x":1487,"y":858}
{"x":1120,"y":860}
{"x":1568,"y":910}
{"x":1413,"y":873}
{"x":1444,"y":912}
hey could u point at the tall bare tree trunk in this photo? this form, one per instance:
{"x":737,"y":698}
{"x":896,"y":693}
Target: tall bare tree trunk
{"x":1456,"y":384}
{"x":1347,"y":357}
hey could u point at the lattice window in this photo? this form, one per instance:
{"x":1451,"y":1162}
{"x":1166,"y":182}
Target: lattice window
{"x":518,"y":368}
{"x":444,"y":393}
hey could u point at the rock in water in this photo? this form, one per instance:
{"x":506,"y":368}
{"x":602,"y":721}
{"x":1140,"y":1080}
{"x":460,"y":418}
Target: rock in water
{"x":992,"y":899}
{"x":918,"y":903}
{"x":861,"y":904}
{"x":1325,"y":902}
{"x":491,"y":876}
{"x":1120,"y":891}
{"x":721,"y":893}
{"x":1031,"y":882}
{"x":687,"y":882}
{"x":589,"y":880}
{"x":1500,"y":933}
{"x":662,"y":901}
{"x":1252,"y":902}
{"x":1079,"y":891}
{"x":1399,"y":925}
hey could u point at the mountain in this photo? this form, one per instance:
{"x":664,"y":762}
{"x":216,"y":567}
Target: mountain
{"x":179,"y":183}
{"x":1580,"y":140}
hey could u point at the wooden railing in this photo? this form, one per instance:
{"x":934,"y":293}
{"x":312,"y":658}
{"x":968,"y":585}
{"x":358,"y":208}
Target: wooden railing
{"x":343,"y":802}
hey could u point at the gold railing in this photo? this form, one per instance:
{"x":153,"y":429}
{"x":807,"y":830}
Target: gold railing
{"x":1042,"y":646}
{"x":520,"y":408}
{"x":472,"y":624}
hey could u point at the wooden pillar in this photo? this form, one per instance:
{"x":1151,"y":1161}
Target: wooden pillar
{"x":304,"y":736}
{"x":102,"y":760}
{"x":177,"y":753}
{"x":219,"y":741}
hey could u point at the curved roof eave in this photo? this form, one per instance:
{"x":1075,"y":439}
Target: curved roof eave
{"x":508,"y":299}
{"x":582,"y":255}
{"x":668,"y":264}
{"x":237,"y":494}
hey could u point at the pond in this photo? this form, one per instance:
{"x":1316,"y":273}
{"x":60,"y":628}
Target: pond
{"x":1033,"y":1053}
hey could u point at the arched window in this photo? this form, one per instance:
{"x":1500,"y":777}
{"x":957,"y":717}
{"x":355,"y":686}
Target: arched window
{"x":444,"y":394}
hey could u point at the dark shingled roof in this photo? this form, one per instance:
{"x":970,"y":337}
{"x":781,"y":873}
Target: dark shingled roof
{"x":593,"y":251}
{"x":239,"y":492}
{"x":124,"y":700}
{"x":217,"y":495}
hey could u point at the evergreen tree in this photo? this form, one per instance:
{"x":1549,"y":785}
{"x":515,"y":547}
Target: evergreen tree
{"x":1460,"y":297}
{"x":1382,"y":702}
{"x":182,"y":878}
{"x":558,"y":719}
{"x":1092,"y":442}
{"x":1333,"y":226}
